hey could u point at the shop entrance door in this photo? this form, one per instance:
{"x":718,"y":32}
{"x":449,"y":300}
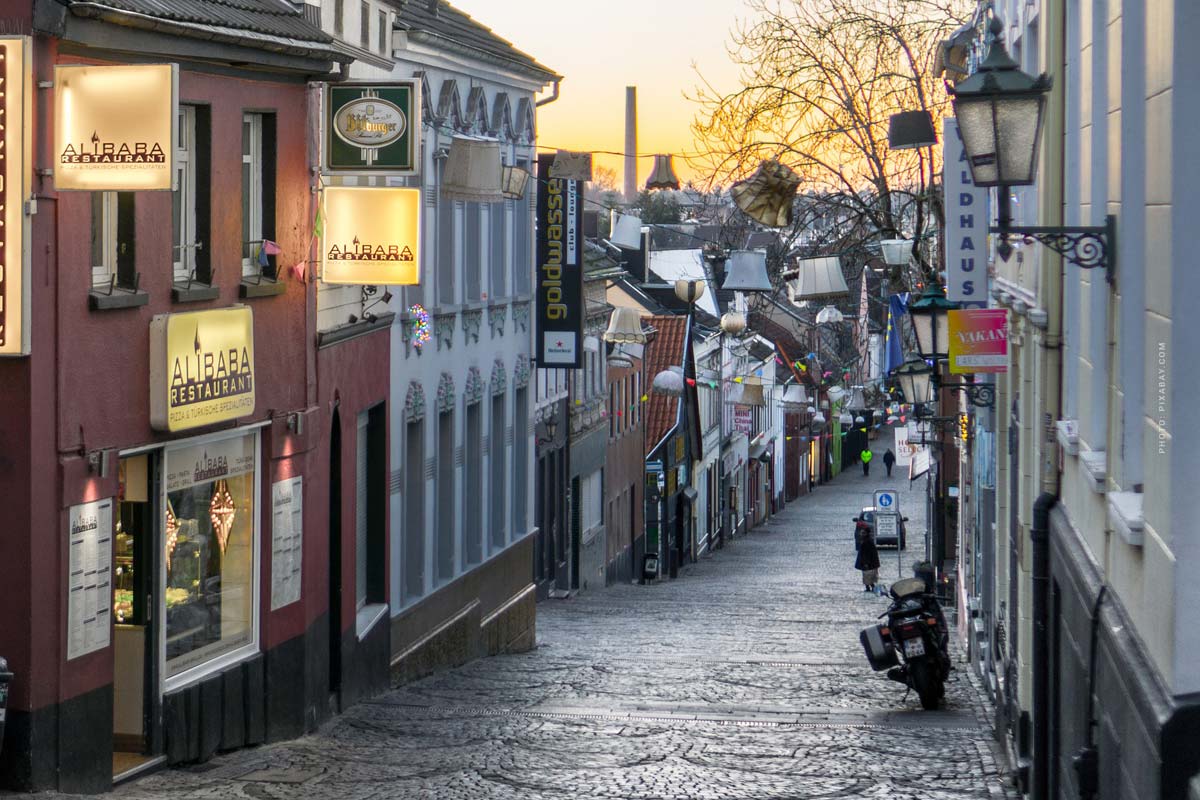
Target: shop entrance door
{"x":137,"y":703}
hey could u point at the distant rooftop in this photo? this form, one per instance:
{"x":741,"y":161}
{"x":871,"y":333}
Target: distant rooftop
{"x":437,"y":19}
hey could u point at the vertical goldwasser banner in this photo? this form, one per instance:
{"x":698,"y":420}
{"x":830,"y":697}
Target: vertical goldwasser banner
{"x":558,"y":337}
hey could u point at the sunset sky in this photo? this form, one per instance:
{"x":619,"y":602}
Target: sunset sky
{"x":600,"y":48}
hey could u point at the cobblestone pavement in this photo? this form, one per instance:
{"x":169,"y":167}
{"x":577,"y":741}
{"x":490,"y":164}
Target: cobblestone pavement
{"x":741,"y":679}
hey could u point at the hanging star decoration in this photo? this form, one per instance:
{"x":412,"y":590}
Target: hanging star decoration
{"x":172,"y":534}
{"x":220,"y":512}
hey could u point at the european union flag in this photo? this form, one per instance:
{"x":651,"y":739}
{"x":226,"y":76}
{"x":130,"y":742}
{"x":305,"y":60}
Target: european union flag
{"x":893,"y":355}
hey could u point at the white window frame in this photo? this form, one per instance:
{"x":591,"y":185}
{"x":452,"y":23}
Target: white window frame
{"x":253,"y":230}
{"x":103,"y":273}
{"x":185,"y":182}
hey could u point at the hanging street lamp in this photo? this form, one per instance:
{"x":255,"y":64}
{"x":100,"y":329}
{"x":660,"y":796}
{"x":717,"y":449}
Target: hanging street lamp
{"x":1000,"y":112}
{"x":930,"y":323}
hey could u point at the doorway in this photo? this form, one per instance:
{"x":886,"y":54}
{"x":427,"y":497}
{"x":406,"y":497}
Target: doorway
{"x":137,"y":704}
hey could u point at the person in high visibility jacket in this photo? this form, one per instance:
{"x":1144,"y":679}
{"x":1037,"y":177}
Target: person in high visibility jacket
{"x":866,"y":457}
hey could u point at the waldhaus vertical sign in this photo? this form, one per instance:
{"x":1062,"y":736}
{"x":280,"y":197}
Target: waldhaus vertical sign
{"x":558,"y":331}
{"x":967,"y":221}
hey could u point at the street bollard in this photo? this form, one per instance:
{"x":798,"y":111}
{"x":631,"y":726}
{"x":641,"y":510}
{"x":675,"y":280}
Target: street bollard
{"x":5,"y":679}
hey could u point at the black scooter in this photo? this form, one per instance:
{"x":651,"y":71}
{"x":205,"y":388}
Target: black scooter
{"x":916,"y":629}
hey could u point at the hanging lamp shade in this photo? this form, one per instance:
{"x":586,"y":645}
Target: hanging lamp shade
{"x":794,"y":398}
{"x":859,"y":420}
{"x":669,"y":382}
{"x":513,"y":182}
{"x":689,"y":290}
{"x":896,"y":252}
{"x":625,"y":325}
{"x":818,"y":419}
{"x":835,"y":393}
{"x":618,"y":358}
{"x":952,"y":55}
{"x":845,"y":419}
{"x":767,"y":195}
{"x":856,"y":398}
{"x":733,"y":322}
{"x":752,"y":393}
{"x":829,"y":315}
{"x":473,"y":171}
{"x":572,"y":166}
{"x":627,"y":232}
{"x":909,"y":130}
{"x":663,"y":175}
{"x":818,"y":278}
{"x":811,"y":410}
{"x":735,"y":395}
{"x":746,"y":271}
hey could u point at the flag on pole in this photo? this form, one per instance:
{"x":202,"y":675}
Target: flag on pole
{"x":894,"y":352}
{"x":270,"y":248}
{"x":319,"y":225}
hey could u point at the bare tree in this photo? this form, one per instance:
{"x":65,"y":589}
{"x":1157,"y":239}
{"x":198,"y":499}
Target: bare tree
{"x":819,"y":81}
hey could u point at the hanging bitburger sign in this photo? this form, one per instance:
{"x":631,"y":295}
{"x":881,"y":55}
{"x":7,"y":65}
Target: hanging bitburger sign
{"x":373,"y":128}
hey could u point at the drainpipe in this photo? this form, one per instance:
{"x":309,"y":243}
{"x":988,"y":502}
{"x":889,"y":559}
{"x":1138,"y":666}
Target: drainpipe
{"x":1039,"y":536}
{"x":545,"y":101}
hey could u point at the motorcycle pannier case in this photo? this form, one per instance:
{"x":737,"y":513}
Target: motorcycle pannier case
{"x":879,"y":651}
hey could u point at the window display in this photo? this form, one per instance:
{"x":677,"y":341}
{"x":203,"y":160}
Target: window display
{"x":209,"y":551}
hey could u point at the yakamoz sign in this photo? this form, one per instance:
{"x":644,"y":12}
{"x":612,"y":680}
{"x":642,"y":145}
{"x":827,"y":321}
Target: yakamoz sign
{"x":978,"y":340}
{"x":558,"y":341}
{"x":372,"y":235}
{"x":967,"y":223}
{"x":201,"y":368}
{"x":114,"y":127}
{"x":373,"y":127}
{"x":16,"y":153}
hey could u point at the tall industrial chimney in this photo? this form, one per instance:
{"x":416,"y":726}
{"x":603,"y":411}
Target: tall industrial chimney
{"x":630,"y":144}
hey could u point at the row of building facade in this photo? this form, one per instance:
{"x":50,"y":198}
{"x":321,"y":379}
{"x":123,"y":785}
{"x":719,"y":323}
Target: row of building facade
{"x":1072,"y":541}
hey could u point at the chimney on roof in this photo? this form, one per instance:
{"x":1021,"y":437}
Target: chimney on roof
{"x":630,"y":144}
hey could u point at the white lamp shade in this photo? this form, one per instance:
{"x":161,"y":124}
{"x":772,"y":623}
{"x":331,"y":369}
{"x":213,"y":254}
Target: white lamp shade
{"x":669,"y":382}
{"x":794,"y":395}
{"x":627,"y":232}
{"x":474,"y":171}
{"x":572,"y":166}
{"x":835,"y":393}
{"x":896,"y":252}
{"x":829,"y":315}
{"x":859,"y":419}
{"x":818,"y":278}
{"x":689,"y":290}
{"x":733,"y":322}
{"x":856,"y":398}
{"x":747,"y":272}
{"x":845,"y":419}
{"x":818,"y":418}
{"x":811,"y":410}
{"x":625,"y":325}
{"x":514,"y":182}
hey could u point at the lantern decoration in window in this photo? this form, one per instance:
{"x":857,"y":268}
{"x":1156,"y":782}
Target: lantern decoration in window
{"x":220,"y":512}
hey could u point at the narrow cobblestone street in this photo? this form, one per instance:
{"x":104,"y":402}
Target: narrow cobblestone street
{"x":742,"y":679}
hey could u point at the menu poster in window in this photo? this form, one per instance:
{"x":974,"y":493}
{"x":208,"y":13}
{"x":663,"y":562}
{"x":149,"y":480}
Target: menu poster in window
{"x":89,"y":583}
{"x":287,"y":541}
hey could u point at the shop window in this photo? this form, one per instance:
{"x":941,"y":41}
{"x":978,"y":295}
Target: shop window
{"x":369,"y":508}
{"x":191,"y":209}
{"x":445,"y":498}
{"x":210,"y":551}
{"x":414,"y":511}
{"x":499,"y":450}
{"x":473,"y":501}
{"x":520,"y":460}
{"x":365,"y":25}
{"x":113,"y":242}
{"x":258,"y":196}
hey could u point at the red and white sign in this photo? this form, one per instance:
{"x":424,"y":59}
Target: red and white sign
{"x":978,"y":340}
{"x":743,"y":420}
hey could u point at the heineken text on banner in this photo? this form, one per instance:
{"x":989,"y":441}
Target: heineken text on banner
{"x":978,"y":340}
{"x":558,"y":339}
{"x":967,"y":222}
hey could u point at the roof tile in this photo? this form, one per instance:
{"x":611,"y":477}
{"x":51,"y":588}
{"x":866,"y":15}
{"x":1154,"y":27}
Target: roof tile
{"x":666,"y":350}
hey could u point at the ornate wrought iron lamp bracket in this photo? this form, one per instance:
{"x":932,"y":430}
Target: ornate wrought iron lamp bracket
{"x":980,"y":395}
{"x":1086,"y":246}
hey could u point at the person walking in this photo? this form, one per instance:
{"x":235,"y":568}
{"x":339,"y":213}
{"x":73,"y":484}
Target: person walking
{"x":866,"y":457}
{"x":867,"y":560}
{"x":889,"y":461}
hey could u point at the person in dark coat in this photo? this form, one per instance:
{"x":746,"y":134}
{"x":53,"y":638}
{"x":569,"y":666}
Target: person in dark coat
{"x":889,"y":461}
{"x":868,"y":556}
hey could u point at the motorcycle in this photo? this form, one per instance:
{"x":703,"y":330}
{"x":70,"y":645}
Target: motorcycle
{"x":916,"y":630}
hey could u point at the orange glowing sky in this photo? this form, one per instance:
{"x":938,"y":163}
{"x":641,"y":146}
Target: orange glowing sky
{"x":600,"y":48}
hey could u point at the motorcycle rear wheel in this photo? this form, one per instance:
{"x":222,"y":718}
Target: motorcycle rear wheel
{"x":925,"y":680}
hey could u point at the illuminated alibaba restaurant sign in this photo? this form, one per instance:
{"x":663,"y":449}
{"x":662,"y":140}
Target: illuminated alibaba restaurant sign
{"x":201,"y":368}
{"x":114,"y":127}
{"x":15,"y":181}
{"x":371,"y":235}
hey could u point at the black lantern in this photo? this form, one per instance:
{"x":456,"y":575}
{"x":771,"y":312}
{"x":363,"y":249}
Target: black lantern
{"x":999,"y":111}
{"x":931,"y":324}
{"x":915,"y":378}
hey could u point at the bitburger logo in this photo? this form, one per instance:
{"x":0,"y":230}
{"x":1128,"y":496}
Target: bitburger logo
{"x":365,"y":251}
{"x":102,"y":152}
